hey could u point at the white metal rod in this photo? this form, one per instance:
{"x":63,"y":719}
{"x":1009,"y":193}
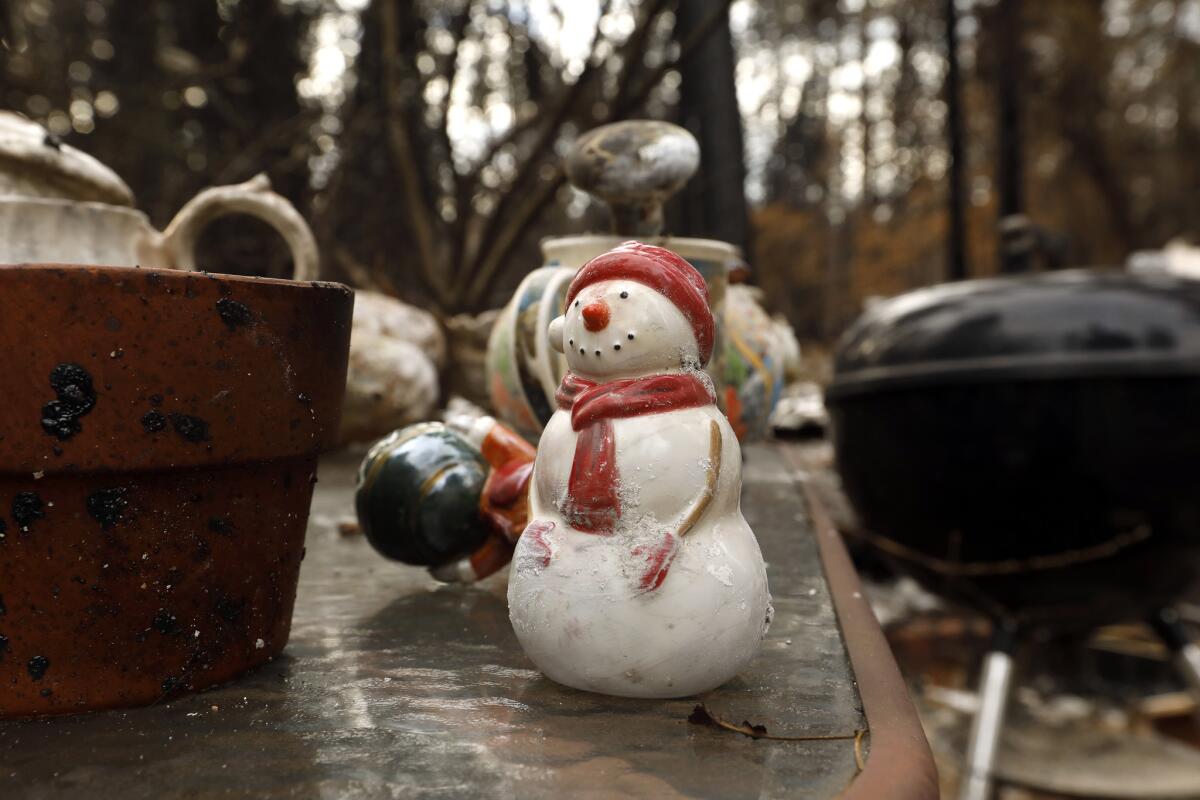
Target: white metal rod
{"x":987,"y":726}
{"x":1188,"y":659}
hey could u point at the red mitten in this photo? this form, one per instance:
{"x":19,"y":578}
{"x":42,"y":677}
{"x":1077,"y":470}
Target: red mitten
{"x":540,"y":548}
{"x":658,"y":558}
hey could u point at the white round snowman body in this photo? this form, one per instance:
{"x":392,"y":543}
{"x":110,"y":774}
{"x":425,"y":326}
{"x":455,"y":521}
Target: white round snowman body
{"x":637,"y":574}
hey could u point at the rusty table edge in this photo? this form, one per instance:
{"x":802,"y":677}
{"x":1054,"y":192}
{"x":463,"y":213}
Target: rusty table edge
{"x":900,"y":765}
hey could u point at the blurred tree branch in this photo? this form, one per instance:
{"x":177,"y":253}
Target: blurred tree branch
{"x":567,"y":100}
{"x":466,"y":215}
{"x":627,"y":101}
{"x":429,"y":165}
{"x":404,"y":155}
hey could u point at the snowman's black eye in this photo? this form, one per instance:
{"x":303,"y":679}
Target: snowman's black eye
{"x":631,"y":337}
{"x":571,"y":342}
{"x":624,"y":295}
{"x":577,"y":304}
{"x":616,"y":347}
{"x":597,"y":354}
{"x":582,"y":352}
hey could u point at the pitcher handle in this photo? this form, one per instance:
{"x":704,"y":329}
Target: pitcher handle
{"x":254,"y":197}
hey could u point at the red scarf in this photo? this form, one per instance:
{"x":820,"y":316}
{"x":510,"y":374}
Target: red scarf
{"x":592,"y":503}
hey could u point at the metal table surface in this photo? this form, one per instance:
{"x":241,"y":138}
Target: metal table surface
{"x":395,"y":686}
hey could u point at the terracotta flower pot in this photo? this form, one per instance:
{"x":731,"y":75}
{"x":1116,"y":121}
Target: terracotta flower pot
{"x":159,"y":433}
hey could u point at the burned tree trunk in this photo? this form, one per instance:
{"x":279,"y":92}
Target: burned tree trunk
{"x":714,"y":202}
{"x":956,"y":262}
{"x":1010,"y":178}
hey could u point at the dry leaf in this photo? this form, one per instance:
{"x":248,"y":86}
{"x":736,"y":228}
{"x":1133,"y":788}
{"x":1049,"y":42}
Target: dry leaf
{"x":702,"y":716}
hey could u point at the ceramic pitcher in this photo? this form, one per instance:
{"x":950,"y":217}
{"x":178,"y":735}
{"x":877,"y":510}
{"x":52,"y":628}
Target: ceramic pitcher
{"x":39,"y":230}
{"x":60,"y":205}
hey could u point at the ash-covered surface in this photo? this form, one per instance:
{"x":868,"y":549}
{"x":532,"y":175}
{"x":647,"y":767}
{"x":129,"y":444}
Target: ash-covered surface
{"x":396,"y":686}
{"x":1106,"y":718}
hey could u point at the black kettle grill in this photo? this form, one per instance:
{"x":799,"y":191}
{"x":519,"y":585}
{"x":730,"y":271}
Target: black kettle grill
{"x":1030,"y":446}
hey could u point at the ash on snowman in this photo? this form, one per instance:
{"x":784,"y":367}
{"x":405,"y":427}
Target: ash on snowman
{"x":637,"y":574}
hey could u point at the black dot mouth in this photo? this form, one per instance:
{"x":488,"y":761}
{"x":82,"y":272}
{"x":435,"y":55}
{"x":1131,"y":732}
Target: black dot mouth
{"x":597,"y":354}
{"x":582,"y":352}
{"x":631,"y":337}
{"x":616,"y":347}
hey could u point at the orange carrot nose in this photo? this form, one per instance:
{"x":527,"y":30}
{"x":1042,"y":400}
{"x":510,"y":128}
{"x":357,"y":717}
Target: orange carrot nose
{"x":595,"y":315}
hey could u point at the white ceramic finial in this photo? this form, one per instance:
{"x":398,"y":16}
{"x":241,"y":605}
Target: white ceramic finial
{"x":634,"y":166}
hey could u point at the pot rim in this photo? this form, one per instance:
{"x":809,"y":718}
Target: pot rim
{"x":169,"y":273}
{"x":716,"y":247}
{"x":257,"y":380}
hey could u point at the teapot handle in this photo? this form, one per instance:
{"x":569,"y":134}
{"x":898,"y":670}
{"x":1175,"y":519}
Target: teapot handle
{"x":254,"y":197}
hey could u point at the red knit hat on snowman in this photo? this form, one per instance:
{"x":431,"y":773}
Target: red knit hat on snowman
{"x":661,"y":270}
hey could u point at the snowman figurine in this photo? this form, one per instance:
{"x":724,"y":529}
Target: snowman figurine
{"x":637,"y":574}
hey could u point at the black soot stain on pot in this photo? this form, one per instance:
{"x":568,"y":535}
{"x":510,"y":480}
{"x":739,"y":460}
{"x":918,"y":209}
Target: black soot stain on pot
{"x":234,"y":314}
{"x":229,"y":608}
{"x":37,"y":667}
{"x":166,"y":623}
{"x":192,"y":429}
{"x":153,"y":421}
{"x":107,"y":506}
{"x":27,"y":507}
{"x":202,"y":551}
{"x":76,"y":397}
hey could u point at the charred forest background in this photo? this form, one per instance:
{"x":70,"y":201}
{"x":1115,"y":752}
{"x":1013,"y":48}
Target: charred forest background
{"x":422,"y":139}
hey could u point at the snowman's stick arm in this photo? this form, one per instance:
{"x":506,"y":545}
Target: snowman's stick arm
{"x":710,"y":480}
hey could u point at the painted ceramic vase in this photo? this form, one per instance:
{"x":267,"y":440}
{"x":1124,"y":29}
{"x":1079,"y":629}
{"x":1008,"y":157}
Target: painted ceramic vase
{"x":633,"y":167}
{"x":752,"y":365}
{"x":450,"y":497}
{"x":747,"y":367}
{"x":637,"y":574}
{"x":524,"y":370}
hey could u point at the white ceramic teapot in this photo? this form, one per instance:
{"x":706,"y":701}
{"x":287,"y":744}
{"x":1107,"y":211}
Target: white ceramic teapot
{"x":60,"y":205}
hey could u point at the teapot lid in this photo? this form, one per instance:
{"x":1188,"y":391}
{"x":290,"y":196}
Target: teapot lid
{"x":36,"y":158}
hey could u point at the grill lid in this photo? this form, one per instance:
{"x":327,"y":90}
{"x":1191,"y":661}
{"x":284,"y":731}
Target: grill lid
{"x":1074,"y":323}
